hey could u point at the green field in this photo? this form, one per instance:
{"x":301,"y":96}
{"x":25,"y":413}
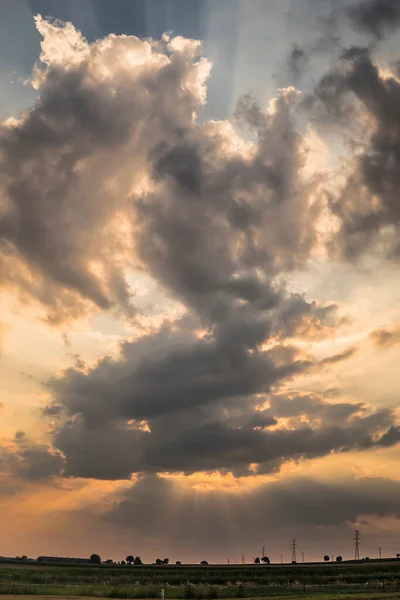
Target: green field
{"x":207,"y":582}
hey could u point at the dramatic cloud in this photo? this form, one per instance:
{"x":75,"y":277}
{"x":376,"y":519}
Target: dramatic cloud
{"x":376,"y":17}
{"x":112,"y":170}
{"x":191,"y":423}
{"x":359,"y":96}
{"x":27,"y":460}
{"x":70,"y":163}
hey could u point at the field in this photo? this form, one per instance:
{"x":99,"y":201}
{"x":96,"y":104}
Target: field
{"x":319,"y":582}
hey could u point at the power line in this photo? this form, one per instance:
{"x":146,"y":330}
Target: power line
{"x":356,"y":543}
{"x":294,"y":546}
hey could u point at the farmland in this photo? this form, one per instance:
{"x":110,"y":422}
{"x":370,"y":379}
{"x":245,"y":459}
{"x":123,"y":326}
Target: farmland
{"x":319,"y":581}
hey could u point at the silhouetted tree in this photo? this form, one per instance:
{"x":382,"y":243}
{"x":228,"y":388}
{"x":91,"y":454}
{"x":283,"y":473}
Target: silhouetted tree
{"x":339,"y":559}
{"x":266,"y":560}
{"x":95,"y":559}
{"x":204,"y":563}
{"x":109,"y":561}
{"x":159,"y":561}
{"x":166,"y":561}
{"x":326,"y":558}
{"x":257,"y":561}
{"x":178,"y":562}
{"x":397,"y":555}
{"x":137,"y":561}
{"x":123,"y":562}
{"x":130,"y":559}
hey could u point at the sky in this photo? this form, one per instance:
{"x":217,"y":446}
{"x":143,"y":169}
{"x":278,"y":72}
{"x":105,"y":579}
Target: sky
{"x":199,"y":291}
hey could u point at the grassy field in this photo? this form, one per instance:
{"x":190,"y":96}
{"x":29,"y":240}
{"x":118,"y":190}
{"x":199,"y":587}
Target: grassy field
{"x":377,"y":580}
{"x":341,"y":596}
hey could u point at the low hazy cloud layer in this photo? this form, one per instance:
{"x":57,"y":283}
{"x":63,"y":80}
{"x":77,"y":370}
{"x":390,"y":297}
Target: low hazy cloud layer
{"x":113,"y":172}
{"x":278,"y":506}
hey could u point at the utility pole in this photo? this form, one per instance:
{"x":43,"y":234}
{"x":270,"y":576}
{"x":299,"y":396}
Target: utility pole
{"x":242,"y":559}
{"x":263,"y":551}
{"x":228,"y":560}
{"x":302,"y":556}
{"x":281,"y":558}
{"x":294,"y":546}
{"x":357,"y":541}
{"x":380,"y":552}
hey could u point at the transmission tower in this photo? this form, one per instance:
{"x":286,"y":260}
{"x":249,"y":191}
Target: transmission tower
{"x":263,"y":551}
{"x":294,"y":546}
{"x":357,"y":542}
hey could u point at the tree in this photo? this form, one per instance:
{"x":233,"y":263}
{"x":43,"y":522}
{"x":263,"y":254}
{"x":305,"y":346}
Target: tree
{"x":137,"y":561}
{"x":326,"y":558}
{"x":123,"y":562}
{"x":257,"y":560}
{"x":178,"y":562}
{"x":204,"y":563}
{"x":109,"y":561}
{"x":266,"y":560}
{"x":339,"y":559}
{"x":130,"y":559}
{"x":397,"y":555}
{"x":165,"y":561}
{"x":95,"y":559}
{"x":159,"y":561}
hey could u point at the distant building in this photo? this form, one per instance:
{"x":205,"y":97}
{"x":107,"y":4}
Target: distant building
{"x":63,"y":559}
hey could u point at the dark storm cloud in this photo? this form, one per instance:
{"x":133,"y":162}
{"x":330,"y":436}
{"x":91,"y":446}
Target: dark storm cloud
{"x":157,"y":504}
{"x":359,"y":97}
{"x":227,"y":435}
{"x":376,"y":17}
{"x":223,"y":226}
{"x":28,"y":460}
{"x":167,"y":372}
{"x":391,"y":437}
